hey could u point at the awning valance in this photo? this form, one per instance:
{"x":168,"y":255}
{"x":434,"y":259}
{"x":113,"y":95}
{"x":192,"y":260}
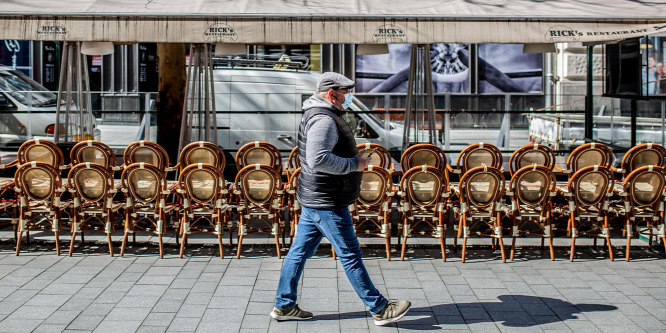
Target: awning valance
{"x":328,"y":21}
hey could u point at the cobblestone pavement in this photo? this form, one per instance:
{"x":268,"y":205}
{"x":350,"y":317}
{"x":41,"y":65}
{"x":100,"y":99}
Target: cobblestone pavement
{"x":91,"y":291}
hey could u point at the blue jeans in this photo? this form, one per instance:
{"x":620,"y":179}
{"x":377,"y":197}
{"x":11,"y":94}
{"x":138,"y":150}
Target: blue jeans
{"x":336,"y":224}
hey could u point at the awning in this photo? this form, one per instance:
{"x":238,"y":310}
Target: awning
{"x":330,"y":21}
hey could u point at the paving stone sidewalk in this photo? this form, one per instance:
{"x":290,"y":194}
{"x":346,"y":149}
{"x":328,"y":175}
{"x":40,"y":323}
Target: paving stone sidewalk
{"x":93,"y":292}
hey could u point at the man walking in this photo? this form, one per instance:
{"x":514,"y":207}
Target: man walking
{"x":329,"y":182}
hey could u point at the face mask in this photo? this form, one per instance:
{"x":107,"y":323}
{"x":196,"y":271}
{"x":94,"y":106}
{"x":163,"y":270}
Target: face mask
{"x":348,"y":100}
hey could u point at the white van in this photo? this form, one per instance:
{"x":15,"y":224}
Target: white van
{"x":257,"y":104}
{"x":26,"y":109}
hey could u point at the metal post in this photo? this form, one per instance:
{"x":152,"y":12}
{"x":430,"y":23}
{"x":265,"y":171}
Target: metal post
{"x":387,"y":120}
{"x":63,"y":64}
{"x":589,"y":96}
{"x":634,"y":115}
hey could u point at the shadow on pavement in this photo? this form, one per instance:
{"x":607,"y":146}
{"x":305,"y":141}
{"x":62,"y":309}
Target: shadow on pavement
{"x":510,"y":311}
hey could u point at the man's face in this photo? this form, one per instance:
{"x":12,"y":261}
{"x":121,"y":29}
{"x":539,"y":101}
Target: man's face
{"x":651,"y":62}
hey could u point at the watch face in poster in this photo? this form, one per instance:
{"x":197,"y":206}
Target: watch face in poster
{"x":653,"y":71}
{"x":505,"y":68}
{"x":383,"y":73}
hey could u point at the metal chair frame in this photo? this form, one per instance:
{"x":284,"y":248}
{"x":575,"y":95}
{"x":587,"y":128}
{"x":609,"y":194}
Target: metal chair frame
{"x":57,"y":159}
{"x":629,"y":160}
{"x":203,"y":215}
{"x":92,"y":213}
{"x":464,"y":156}
{"x":606,"y":157}
{"x":153,"y":209}
{"x":77,"y":154}
{"x":251,"y":211}
{"x":243,"y":158}
{"x":590,"y":212}
{"x":532,"y":217}
{"x":49,"y":205}
{"x":473,"y":213}
{"x":381,"y":156}
{"x":651,"y":212}
{"x":432,"y":213}
{"x":373,"y":217}
{"x":130,"y":154}
{"x":516,"y":162}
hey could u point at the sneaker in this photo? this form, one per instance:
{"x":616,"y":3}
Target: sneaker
{"x":294,"y":313}
{"x":392,"y":312}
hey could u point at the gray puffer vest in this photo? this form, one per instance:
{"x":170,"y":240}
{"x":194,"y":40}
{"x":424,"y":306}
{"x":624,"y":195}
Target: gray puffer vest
{"x":320,"y":189}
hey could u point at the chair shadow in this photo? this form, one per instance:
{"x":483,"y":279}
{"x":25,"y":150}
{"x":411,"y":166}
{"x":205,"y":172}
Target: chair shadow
{"x":510,"y":311}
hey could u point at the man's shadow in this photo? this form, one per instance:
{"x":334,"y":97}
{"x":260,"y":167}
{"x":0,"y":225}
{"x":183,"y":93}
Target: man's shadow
{"x":510,"y":311}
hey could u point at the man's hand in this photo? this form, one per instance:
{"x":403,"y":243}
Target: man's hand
{"x":362,"y":161}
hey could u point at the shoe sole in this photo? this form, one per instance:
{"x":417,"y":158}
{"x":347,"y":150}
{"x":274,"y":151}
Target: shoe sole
{"x":392,"y":320}
{"x":283,"y":318}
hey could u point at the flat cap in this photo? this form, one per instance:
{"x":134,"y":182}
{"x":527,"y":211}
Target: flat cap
{"x":335,"y":81}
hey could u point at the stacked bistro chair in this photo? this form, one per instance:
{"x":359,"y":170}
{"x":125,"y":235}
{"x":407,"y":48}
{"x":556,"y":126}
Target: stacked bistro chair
{"x":148,"y":152}
{"x":258,"y":189}
{"x":371,"y":213}
{"x":204,"y":196}
{"x":529,"y":155}
{"x":417,"y":156}
{"x":425,"y":195}
{"x":589,"y":154}
{"x":643,"y":155}
{"x":39,"y":190}
{"x":474,"y":155}
{"x":146,"y":206}
{"x":643,"y":198}
{"x":479,"y":154}
{"x":531,"y":193}
{"x":531,"y":190}
{"x":44,"y":151}
{"x":94,"y":152}
{"x":92,"y":187}
{"x":262,"y":153}
{"x":589,"y":190}
{"x":208,"y":153}
{"x":481,"y":192}
{"x":34,"y":202}
{"x":259,"y":152}
{"x":8,"y":204}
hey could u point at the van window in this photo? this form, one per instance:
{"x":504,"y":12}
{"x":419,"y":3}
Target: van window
{"x":25,"y":90}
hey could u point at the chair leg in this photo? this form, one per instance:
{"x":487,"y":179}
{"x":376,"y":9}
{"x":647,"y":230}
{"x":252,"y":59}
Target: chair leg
{"x":550,"y":244}
{"x":464,"y":248}
{"x":513,"y":246}
{"x":122,"y":247}
{"x":610,"y":248}
{"x":159,"y":240}
{"x":182,"y":244}
{"x":404,"y":247}
{"x":240,"y":243}
{"x":108,"y":238}
{"x":441,"y":244}
{"x":501,"y":245}
{"x":333,"y":253}
{"x":628,"y":246}
{"x":387,"y":241}
{"x":71,"y":243}
{"x":57,"y":242}
{"x":83,"y":240}
{"x":18,"y":242}
{"x":219,"y":241}
{"x":277,"y":245}
{"x":573,"y":237}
